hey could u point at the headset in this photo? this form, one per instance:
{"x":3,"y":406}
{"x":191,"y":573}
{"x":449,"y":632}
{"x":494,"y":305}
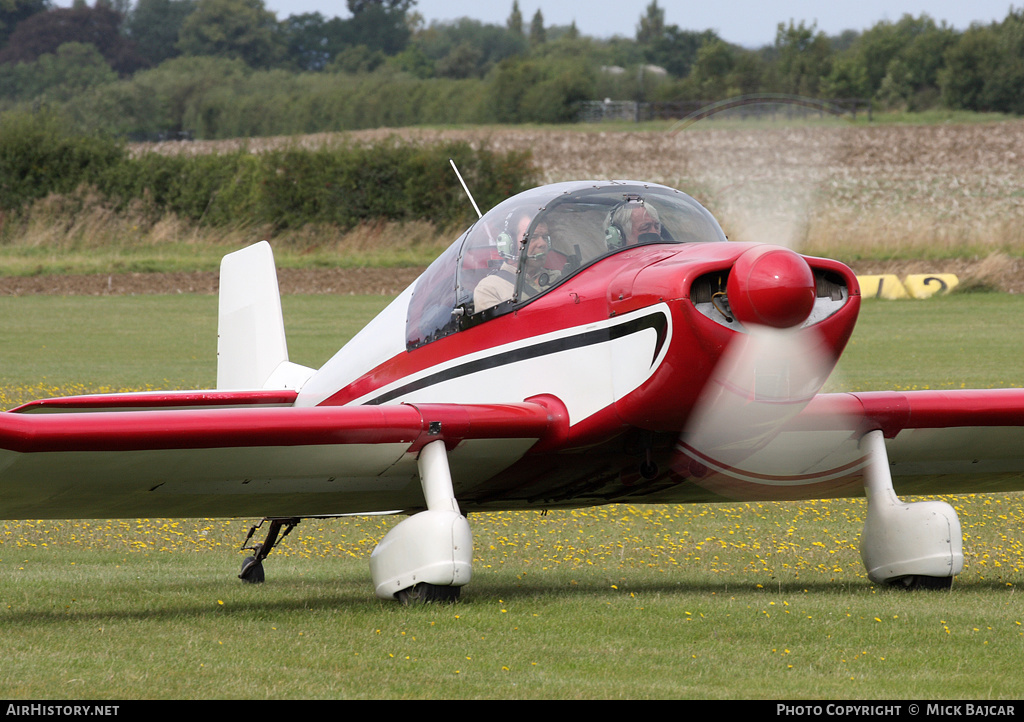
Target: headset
{"x":505,"y":242}
{"x":615,"y":235}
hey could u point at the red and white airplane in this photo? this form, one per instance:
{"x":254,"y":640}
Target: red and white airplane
{"x":582,"y":343}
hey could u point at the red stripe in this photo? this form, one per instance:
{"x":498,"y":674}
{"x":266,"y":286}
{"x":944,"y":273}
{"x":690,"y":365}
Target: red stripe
{"x":205,"y":429}
{"x":159,"y":399}
{"x":723,"y":468}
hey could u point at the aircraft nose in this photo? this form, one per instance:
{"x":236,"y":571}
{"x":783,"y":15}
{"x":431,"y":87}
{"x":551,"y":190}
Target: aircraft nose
{"x":771,"y":286}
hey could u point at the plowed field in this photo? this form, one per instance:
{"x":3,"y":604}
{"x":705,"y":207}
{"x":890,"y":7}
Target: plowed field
{"x":933,"y":198}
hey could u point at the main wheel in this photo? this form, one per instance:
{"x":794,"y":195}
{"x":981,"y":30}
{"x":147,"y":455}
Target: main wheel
{"x":424,"y":593}
{"x":252,"y":571}
{"x":917,"y":581}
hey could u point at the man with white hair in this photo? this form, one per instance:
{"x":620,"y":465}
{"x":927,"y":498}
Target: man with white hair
{"x":631,"y":223}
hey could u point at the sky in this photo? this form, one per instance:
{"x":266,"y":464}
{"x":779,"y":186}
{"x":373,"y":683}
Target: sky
{"x":750,"y":23}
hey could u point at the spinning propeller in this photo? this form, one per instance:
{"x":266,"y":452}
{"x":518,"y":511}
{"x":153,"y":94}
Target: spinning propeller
{"x":745,"y":427}
{"x":752,"y":423}
{"x":757,"y":431}
{"x":761,"y":431}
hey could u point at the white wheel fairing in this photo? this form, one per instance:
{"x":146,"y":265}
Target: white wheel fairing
{"x":573,"y":364}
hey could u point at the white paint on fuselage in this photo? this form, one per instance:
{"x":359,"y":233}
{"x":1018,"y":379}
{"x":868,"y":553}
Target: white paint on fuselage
{"x":585,"y":378}
{"x":381,"y":339}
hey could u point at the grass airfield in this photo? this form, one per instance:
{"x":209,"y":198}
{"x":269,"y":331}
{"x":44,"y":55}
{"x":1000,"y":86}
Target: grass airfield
{"x":740,"y":601}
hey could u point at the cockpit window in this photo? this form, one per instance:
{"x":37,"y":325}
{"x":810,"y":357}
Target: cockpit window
{"x":434,"y":304}
{"x":537,"y":239}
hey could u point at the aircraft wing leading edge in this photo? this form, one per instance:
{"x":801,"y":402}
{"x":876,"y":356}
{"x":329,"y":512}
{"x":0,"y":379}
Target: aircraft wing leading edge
{"x":955,"y":441}
{"x":239,"y":461}
{"x":936,"y":442}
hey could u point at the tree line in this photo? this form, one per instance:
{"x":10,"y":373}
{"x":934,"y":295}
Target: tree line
{"x":229,"y":68}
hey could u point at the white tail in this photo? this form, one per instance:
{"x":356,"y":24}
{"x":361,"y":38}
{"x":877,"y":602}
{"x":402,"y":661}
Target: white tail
{"x":252,"y":352}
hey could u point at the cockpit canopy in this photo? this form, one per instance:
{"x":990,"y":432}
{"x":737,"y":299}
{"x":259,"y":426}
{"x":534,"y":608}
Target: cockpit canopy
{"x":536,"y":240}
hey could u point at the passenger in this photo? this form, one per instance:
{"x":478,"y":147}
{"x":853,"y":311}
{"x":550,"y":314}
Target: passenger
{"x":536,"y":276}
{"x":632,"y":223}
{"x":500,"y":286}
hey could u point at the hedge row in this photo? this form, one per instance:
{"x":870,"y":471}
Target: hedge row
{"x":341,"y":185}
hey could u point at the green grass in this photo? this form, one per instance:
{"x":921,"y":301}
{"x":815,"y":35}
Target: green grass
{"x":766,"y":601}
{"x":731,"y":119}
{"x":934,"y":117}
{"x":108,"y":343}
{"x":621,"y":602}
{"x":956,"y":341}
{"x":322,"y":250}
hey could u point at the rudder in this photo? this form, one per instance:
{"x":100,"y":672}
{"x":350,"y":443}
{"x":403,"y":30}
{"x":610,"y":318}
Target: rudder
{"x":252,"y":351}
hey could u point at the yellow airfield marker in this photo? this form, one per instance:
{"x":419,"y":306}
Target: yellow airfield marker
{"x":925,"y":285}
{"x":881,"y":286}
{"x":915,"y":285}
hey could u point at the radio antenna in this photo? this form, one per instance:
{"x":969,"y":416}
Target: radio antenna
{"x":466,"y":188}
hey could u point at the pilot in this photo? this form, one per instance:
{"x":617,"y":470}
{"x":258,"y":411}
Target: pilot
{"x":631,"y":223}
{"x":500,"y":285}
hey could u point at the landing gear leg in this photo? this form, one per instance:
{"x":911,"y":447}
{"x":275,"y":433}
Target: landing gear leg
{"x":913,"y":546}
{"x":252,"y":567}
{"x":429,"y":556}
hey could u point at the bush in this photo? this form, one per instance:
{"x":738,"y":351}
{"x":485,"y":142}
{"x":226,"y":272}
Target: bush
{"x":39,"y":156}
{"x":285,"y":188}
{"x":211,"y":188}
{"x":390,"y":180}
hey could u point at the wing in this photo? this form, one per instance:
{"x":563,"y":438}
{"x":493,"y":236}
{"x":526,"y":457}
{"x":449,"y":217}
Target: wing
{"x":216,"y":453}
{"x":963,"y":441}
{"x":937,"y":442}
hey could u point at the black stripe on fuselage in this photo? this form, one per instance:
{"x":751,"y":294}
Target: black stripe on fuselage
{"x":658,"y":321}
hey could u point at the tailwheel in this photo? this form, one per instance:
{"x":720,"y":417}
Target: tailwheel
{"x":252,"y":568}
{"x":424,"y":593}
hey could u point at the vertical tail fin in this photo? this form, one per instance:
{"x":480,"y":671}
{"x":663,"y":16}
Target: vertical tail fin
{"x":252,"y":351}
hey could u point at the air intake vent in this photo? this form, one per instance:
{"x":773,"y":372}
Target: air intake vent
{"x":829,"y":285}
{"x":703,"y":288}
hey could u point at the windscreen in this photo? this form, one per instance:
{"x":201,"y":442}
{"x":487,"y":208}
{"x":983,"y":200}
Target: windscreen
{"x":537,"y":240}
